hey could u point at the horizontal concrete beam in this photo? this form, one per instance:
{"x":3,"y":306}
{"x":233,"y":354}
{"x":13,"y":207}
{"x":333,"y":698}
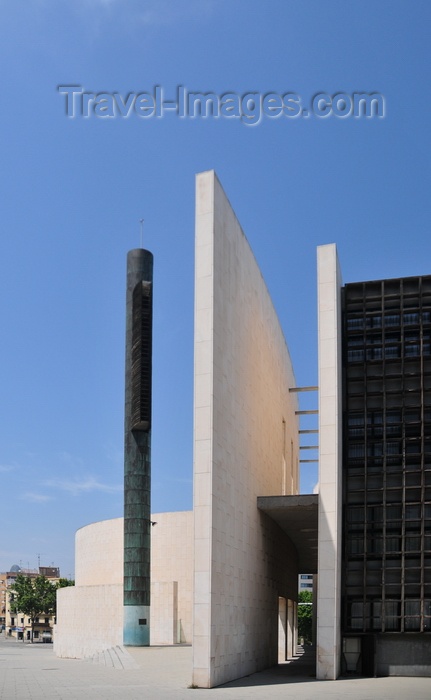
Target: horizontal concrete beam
{"x":296,"y":389}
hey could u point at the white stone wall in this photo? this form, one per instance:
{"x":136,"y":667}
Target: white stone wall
{"x":99,"y":553}
{"x":164,"y":613}
{"x":172,"y":560}
{"x":90,"y":614}
{"x":330,"y":439}
{"x":89,"y":620}
{"x":246,"y":445}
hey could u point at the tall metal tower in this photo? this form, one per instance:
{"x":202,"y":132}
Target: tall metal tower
{"x":137,"y":448}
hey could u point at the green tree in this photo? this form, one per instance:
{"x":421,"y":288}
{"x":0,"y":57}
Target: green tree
{"x":305,"y":616}
{"x":64,"y":582}
{"x":33,"y":597}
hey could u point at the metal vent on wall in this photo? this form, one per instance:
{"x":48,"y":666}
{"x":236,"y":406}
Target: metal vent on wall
{"x":142,"y":313}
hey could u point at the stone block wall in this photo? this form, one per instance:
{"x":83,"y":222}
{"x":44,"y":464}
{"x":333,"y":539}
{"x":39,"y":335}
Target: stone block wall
{"x":246,"y":445}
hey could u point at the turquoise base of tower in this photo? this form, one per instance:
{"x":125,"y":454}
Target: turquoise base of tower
{"x":136,"y":625}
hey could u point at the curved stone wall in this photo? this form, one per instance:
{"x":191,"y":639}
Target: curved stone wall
{"x":90,"y":614}
{"x":246,"y":445}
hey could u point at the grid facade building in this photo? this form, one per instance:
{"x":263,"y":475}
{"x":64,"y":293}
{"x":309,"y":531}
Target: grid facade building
{"x":386,"y":466}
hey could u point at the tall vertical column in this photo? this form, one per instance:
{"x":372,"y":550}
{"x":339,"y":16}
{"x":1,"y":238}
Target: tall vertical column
{"x":137,"y":448}
{"x":330,"y":444}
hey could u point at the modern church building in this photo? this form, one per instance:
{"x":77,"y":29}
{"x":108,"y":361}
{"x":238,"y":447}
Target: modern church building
{"x":225,"y":576}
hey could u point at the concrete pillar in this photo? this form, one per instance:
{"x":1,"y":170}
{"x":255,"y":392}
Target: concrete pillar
{"x":314,"y":618}
{"x":330,"y":450}
{"x":282,"y":630}
{"x":291,"y":648}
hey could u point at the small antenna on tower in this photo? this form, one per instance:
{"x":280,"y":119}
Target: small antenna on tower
{"x":141,"y":221}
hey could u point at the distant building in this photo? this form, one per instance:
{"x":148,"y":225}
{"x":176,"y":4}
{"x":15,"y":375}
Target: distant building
{"x":49,"y":571}
{"x":305,"y":583}
{"x":17,"y":624}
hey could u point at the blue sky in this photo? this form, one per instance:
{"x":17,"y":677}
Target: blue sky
{"x":73,"y":191}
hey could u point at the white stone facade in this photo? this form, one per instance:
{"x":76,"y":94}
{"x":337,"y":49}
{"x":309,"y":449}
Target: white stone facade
{"x":330,"y":443}
{"x":89,"y":620}
{"x":172,"y":563}
{"x":246,"y":445}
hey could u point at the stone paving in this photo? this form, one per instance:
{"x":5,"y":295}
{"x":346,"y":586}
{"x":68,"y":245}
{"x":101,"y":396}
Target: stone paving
{"x":33,"y":672}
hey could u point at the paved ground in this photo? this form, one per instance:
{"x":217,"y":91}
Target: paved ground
{"x":32,"y":672}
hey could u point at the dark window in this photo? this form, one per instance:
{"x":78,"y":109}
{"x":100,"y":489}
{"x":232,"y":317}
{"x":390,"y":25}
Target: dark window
{"x":355,"y":324}
{"x":411,"y":318}
{"x":355,"y":419}
{"x":141,"y":357}
{"x":392,"y":351}
{"x":355,"y":355}
{"x":356,"y":451}
{"x":392,"y":320}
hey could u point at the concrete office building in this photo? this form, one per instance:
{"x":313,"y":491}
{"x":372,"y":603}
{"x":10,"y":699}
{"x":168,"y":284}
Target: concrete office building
{"x":229,"y":585}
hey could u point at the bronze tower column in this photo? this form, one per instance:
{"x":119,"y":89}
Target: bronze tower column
{"x":137,"y":448}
